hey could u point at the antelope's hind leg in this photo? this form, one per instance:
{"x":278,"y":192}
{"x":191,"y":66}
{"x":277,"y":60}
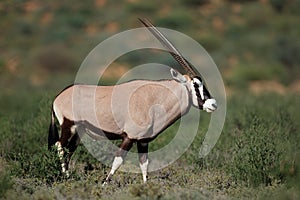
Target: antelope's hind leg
{"x":119,"y":157}
{"x":69,"y":139}
{"x":143,"y":158}
{"x":71,"y":147}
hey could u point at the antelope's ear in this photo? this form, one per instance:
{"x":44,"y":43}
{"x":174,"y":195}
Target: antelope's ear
{"x":177,"y":76}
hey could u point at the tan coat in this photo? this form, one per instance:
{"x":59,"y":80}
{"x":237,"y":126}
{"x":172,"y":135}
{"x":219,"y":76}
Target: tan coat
{"x":141,"y":109}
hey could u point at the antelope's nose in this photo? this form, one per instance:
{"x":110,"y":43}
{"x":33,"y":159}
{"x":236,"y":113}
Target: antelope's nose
{"x":214,"y":105}
{"x":210,"y":105}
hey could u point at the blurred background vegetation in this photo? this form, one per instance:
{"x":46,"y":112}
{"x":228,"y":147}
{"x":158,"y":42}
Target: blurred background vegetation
{"x":254,"y":43}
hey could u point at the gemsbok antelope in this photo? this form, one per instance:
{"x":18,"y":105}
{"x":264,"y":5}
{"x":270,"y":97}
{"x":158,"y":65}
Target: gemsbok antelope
{"x":144,"y":110}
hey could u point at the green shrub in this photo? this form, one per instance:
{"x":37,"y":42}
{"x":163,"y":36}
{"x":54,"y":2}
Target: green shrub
{"x":43,"y":165}
{"x":264,"y":141}
{"x":24,"y":146}
{"x":257,"y":159}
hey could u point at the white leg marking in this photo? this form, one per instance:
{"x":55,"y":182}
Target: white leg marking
{"x":116,"y":164}
{"x":60,"y":151}
{"x":73,"y":129}
{"x":144,"y":168}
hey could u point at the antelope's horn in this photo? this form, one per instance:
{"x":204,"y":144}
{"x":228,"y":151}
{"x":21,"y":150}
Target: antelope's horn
{"x":170,"y":47}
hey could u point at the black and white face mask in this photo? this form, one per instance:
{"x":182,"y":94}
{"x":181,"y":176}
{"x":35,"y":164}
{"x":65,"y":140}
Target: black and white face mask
{"x":201,"y":97}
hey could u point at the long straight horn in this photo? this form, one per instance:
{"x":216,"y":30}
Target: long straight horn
{"x":172,"y":50}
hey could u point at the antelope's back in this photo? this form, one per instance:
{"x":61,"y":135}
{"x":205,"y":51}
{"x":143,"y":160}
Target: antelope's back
{"x":148,"y":107}
{"x":139,"y":108}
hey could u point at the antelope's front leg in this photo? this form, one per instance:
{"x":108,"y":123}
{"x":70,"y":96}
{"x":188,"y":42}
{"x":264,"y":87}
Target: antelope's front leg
{"x":120,"y":155}
{"x":143,"y":157}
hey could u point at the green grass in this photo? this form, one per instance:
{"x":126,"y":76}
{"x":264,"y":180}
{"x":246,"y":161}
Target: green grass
{"x":257,"y":153}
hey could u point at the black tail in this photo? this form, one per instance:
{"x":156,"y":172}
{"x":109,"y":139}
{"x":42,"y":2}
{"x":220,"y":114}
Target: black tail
{"x":53,"y":136}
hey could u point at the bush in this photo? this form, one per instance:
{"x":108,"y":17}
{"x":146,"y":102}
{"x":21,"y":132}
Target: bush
{"x":24,"y":146}
{"x":257,"y":159}
{"x":43,"y":165}
{"x":264,"y":144}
